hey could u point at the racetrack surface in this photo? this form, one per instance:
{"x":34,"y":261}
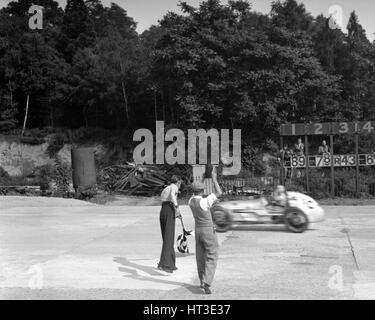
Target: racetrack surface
{"x":67,"y":249}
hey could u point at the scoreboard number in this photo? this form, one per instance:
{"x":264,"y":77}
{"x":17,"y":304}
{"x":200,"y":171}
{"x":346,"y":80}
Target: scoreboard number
{"x":343,"y":127}
{"x":344,"y":160}
{"x":368,"y":127}
{"x":370,"y":160}
{"x":327,"y":128}
{"x":293,"y":129}
{"x":321,"y":161}
{"x":327,"y":160}
{"x":298,"y":161}
{"x":318,"y":128}
{"x":352,"y":160}
{"x":362,"y":160}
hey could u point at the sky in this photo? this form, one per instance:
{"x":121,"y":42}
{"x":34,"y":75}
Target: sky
{"x":148,"y":12}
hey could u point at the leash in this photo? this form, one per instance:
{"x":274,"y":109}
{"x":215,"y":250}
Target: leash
{"x":186,"y":233}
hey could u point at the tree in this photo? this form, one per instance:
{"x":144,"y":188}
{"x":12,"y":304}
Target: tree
{"x":9,"y":53}
{"x":103,"y":76}
{"x":360,"y":76}
{"x":233,"y":68}
{"x":41,"y":75}
{"x":77,"y":30}
{"x":291,"y":15}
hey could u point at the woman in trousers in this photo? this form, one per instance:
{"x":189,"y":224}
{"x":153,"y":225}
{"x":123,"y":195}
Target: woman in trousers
{"x":168,"y":214}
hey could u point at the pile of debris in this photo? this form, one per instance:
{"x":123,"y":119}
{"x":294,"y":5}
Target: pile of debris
{"x":140,"y":180}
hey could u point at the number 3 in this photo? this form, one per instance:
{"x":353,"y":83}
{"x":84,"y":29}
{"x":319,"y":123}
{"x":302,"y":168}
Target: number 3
{"x":343,"y":127}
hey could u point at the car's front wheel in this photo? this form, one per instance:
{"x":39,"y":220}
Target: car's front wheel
{"x":296,"y":220}
{"x":221,"y":219}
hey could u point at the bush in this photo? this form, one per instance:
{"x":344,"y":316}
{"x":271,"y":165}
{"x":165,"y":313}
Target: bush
{"x":84,"y":135}
{"x":56,"y":143}
{"x":252,"y":160}
{"x":3,"y":174}
{"x":56,"y":177}
{"x":86,"y":193}
{"x":45,"y":175}
{"x":32,"y":140}
{"x":35,"y":136}
{"x":62,"y":178}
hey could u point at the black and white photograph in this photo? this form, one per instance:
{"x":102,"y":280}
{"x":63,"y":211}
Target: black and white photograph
{"x":206,"y":151}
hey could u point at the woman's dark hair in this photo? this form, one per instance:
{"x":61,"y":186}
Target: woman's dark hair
{"x":175,"y":179}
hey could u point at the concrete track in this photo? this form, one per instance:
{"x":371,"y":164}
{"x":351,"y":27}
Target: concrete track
{"x":63,"y":249}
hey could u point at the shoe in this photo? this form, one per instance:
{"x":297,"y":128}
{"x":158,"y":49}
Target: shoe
{"x":207,"y":289}
{"x":174,"y":268}
{"x":168,"y":270}
{"x":165,"y":269}
{"x":202,"y":284}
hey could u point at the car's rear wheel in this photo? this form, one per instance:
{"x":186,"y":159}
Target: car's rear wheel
{"x":296,"y":220}
{"x":221,"y":219}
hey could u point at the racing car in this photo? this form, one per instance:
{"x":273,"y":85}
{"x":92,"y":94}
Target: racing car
{"x":300,"y":210}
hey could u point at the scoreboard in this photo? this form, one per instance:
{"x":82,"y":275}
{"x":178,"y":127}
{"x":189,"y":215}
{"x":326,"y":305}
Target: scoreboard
{"x":327,"y":160}
{"x":326,"y":128}
{"x":321,"y":161}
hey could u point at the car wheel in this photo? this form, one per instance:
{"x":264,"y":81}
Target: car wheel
{"x":296,"y":220}
{"x":221,"y":219}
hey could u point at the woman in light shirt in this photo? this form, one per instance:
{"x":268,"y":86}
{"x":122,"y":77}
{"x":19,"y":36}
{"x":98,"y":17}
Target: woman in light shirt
{"x":168,"y":214}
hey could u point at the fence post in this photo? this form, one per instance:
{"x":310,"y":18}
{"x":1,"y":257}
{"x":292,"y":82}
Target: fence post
{"x":332,"y":168}
{"x":282,"y":160}
{"x":357,"y":166}
{"x":307,"y":164}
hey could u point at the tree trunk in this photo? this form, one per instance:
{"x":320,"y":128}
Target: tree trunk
{"x":51,"y":109}
{"x":26,"y":114}
{"x":171,"y":108}
{"x":155,"y":107}
{"x":124,"y":94}
{"x":51,"y":114}
{"x":85,"y":116}
{"x":125,"y":103}
{"x":11,"y":94}
{"x":163,"y":102}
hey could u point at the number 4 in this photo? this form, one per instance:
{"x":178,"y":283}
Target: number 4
{"x":368,"y":126}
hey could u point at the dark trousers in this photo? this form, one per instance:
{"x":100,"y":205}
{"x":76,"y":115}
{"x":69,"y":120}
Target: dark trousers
{"x":167,"y":225}
{"x":207,"y":253}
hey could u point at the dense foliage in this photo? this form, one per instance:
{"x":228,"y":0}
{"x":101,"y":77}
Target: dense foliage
{"x":218,"y":65}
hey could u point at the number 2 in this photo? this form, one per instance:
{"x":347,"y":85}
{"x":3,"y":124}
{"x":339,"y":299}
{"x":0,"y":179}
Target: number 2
{"x":318,"y":128}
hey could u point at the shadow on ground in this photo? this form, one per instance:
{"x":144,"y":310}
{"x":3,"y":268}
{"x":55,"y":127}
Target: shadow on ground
{"x":259,"y":227}
{"x":130,"y":268}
